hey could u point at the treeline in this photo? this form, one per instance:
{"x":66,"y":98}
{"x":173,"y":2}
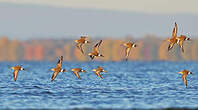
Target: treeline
{"x":149,"y":48}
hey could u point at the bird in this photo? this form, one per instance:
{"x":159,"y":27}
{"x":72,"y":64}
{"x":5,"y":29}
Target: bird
{"x":98,"y":71}
{"x":77,"y":70}
{"x":128,"y":46}
{"x":184,"y":75}
{"x":173,"y":39}
{"x":58,"y":68}
{"x":180,"y":41}
{"x":81,"y":42}
{"x":16,"y":70}
{"x":95,"y":52}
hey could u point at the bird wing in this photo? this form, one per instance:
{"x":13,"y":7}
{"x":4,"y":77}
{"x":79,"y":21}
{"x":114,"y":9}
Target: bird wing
{"x":76,"y":73}
{"x":127,"y":52}
{"x":54,"y":75}
{"x":181,"y":45}
{"x":98,"y":74}
{"x":15,"y":74}
{"x":184,"y":79}
{"x":174,"y":33}
{"x":170,"y":46}
{"x":79,"y":45}
{"x":96,"y":46}
{"x":59,"y":63}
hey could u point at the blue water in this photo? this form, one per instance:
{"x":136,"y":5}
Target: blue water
{"x":125,"y":85}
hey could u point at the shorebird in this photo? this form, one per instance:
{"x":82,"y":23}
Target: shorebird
{"x":16,"y":70}
{"x":128,"y":46}
{"x":180,"y":41}
{"x":95,"y":52}
{"x":98,"y":71}
{"x":77,"y":70}
{"x":173,"y":39}
{"x":58,"y":68}
{"x":81,"y":42}
{"x":184,"y":75}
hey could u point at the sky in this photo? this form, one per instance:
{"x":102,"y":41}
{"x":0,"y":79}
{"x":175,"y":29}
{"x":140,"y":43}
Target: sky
{"x":115,"y":18}
{"x":145,"y":6}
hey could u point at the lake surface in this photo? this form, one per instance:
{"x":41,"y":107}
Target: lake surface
{"x":126,"y":85}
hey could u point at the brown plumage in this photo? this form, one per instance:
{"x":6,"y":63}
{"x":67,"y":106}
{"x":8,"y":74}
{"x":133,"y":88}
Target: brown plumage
{"x":128,"y":46}
{"x":184,"y":75}
{"x":58,"y":68}
{"x":95,"y":52}
{"x":173,"y":39}
{"x":81,"y":42}
{"x":77,"y":70}
{"x":180,"y":41}
{"x":16,"y":70}
{"x":98,"y":71}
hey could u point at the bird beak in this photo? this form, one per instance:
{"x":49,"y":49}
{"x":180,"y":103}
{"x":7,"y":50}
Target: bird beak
{"x":105,"y":71}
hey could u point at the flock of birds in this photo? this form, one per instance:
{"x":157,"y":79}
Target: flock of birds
{"x":95,"y":53}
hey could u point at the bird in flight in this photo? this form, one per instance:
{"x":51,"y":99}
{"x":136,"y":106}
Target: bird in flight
{"x":79,"y":43}
{"x":184,"y":75}
{"x":98,"y":71}
{"x":77,"y":70}
{"x":95,"y":52}
{"x":58,"y":68}
{"x":128,"y":46}
{"x":16,"y":70}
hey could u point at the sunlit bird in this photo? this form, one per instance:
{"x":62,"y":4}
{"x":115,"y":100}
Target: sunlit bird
{"x":184,"y":75}
{"x":58,"y":68}
{"x":79,"y":43}
{"x":77,"y":70}
{"x":180,"y":41}
{"x":173,"y":39}
{"x":98,"y":71}
{"x":128,"y":46}
{"x":95,"y":52}
{"x":16,"y":70}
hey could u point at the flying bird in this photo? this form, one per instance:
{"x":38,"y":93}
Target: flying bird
{"x":77,"y":70}
{"x":95,"y":52}
{"x":16,"y":70}
{"x":184,"y":75}
{"x":58,"y":68}
{"x":81,"y":42}
{"x":98,"y":71}
{"x":128,"y":46}
{"x":173,"y":39}
{"x":180,"y":41}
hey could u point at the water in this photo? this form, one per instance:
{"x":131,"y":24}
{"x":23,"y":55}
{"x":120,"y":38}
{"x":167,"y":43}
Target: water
{"x":126,"y":85}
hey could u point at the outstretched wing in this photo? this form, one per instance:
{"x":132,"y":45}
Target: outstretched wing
{"x":170,"y":46}
{"x":127,"y":51}
{"x":15,"y":74}
{"x":96,"y":46}
{"x":59,"y":63}
{"x":181,"y":46}
{"x":174,"y":33}
{"x":98,"y":74}
{"x":54,"y":75}
{"x":184,"y":79}
{"x":79,"y":46}
{"x":76,"y":73}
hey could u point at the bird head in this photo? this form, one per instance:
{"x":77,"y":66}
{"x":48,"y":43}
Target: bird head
{"x":100,"y":55}
{"x":83,"y":71}
{"x":63,"y":70}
